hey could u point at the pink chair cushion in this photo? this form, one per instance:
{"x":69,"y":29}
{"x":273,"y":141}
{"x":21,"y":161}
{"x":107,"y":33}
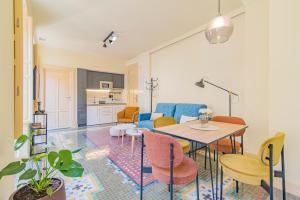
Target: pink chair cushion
{"x":158,"y":150}
{"x":184,"y":173}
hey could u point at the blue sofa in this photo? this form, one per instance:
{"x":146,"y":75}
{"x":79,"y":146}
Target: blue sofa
{"x":171,"y":110}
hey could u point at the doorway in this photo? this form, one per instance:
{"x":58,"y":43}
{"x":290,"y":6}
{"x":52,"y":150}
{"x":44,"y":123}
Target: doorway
{"x":58,"y":97}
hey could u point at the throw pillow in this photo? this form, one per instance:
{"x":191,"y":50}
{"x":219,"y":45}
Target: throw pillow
{"x":184,"y":119}
{"x":154,"y":115}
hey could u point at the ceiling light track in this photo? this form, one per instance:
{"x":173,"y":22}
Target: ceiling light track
{"x":110,"y":39}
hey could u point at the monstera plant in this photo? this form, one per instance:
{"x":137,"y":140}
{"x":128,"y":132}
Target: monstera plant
{"x":38,"y":174}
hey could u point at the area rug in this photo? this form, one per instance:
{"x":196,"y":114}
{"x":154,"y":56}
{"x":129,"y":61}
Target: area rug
{"x":229,"y":193}
{"x":121,"y":156}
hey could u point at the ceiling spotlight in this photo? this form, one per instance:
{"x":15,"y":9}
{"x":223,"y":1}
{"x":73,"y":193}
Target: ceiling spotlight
{"x":110,"y":39}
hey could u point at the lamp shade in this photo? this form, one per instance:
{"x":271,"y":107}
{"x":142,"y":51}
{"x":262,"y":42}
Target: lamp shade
{"x":219,"y":30}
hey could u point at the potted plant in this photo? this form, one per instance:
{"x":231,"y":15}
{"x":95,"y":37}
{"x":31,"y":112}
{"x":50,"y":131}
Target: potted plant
{"x":38,"y":180}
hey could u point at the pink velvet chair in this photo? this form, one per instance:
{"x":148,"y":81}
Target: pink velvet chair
{"x":169,"y":164}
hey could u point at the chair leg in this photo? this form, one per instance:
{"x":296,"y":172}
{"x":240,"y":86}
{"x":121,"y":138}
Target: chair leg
{"x":283,"y":174}
{"x":171,"y":170}
{"x":169,"y":188}
{"x":197,"y":186}
{"x":211,"y":174}
{"x":214,"y":155}
{"x":205,"y":157}
{"x":236,"y":186}
{"x":142,"y":166}
{"x":221,"y":184}
{"x":242,"y":144}
{"x":271,"y":171}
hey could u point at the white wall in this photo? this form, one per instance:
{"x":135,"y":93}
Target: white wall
{"x":6,"y":90}
{"x":180,"y":65}
{"x":284,"y":84}
{"x":259,"y":62}
{"x":67,"y":58}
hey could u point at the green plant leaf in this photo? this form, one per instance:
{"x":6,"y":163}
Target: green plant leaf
{"x":12,"y":168}
{"x":49,"y":191}
{"x":24,"y":160}
{"x":77,"y":150}
{"x":66,"y":156}
{"x":39,"y":157}
{"x":75,"y":170}
{"x":20,"y":141}
{"x":54,"y":159}
{"x":28,"y":174}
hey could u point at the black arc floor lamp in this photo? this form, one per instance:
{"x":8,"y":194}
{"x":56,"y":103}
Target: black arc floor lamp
{"x":202,"y":82}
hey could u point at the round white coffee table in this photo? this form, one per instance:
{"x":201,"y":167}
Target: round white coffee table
{"x":134,"y":132}
{"x":122,"y":128}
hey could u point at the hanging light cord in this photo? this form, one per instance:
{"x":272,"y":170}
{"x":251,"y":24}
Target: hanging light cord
{"x":219,"y":8}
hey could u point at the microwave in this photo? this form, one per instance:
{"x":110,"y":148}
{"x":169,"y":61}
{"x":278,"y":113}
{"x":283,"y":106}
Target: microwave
{"x":106,"y":85}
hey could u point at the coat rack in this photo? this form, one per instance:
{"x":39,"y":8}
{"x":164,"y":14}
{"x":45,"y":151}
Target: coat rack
{"x":151,"y":86}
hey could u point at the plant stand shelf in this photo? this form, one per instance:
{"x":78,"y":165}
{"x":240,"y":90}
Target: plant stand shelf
{"x":39,"y":134}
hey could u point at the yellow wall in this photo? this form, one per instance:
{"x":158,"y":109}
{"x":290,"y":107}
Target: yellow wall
{"x":6,"y":90}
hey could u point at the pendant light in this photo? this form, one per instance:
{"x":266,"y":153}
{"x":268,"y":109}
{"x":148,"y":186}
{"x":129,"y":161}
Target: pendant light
{"x":219,"y":29}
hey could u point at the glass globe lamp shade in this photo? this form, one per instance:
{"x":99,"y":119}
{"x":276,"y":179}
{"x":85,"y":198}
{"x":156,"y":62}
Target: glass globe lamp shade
{"x":219,"y":30}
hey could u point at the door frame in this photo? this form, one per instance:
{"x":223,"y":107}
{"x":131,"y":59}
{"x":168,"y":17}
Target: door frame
{"x":73,"y":89}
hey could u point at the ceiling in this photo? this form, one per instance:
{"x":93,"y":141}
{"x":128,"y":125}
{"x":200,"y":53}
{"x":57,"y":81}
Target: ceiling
{"x":81,"y":25}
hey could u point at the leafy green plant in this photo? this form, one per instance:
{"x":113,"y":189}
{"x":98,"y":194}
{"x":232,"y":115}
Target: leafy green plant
{"x":39,"y":178}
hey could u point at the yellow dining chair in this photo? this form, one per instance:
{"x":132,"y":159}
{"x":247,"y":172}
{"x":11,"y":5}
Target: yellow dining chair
{"x":166,"y":121}
{"x":256,"y":171}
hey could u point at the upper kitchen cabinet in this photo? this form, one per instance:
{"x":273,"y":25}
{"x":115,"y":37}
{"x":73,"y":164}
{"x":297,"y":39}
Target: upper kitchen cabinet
{"x":118,"y":81}
{"x":94,"y":78}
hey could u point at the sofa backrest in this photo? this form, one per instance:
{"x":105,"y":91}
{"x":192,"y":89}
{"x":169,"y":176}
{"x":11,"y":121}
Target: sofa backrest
{"x":188,"y":109}
{"x":167,"y":108}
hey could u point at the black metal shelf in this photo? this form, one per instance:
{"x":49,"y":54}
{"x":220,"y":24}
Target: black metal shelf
{"x":44,"y":124}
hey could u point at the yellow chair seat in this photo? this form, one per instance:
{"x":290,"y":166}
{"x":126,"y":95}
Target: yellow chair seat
{"x":184,"y":144}
{"x":245,"y":169}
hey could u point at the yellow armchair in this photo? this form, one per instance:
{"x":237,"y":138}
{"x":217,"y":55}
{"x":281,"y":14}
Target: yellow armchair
{"x":128,"y":115}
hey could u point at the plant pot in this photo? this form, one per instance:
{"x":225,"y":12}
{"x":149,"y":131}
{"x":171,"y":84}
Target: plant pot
{"x":58,"y":194}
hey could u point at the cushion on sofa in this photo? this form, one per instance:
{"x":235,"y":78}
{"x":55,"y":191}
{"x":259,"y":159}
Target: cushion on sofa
{"x":187,"y":109}
{"x":167,"y":108}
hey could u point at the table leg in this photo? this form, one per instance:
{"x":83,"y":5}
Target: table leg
{"x":211,"y":174}
{"x":123,"y":138}
{"x":217,"y":169}
{"x":132,"y":144}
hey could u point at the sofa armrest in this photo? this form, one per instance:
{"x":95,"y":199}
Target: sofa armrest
{"x":144,"y":116}
{"x":135,"y":116}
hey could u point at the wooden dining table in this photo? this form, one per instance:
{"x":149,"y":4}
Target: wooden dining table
{"x":188,"y":132}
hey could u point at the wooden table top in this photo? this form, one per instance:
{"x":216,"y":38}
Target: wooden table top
{"x":184,"y":131}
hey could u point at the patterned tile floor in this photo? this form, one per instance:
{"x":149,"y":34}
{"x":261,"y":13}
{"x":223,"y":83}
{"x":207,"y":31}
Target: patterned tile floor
{"x":104,"y":181}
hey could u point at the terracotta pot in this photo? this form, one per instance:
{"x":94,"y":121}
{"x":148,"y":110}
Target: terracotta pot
{"x":59,"y":193}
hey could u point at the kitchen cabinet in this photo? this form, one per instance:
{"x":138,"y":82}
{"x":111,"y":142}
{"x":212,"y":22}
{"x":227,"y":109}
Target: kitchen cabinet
{"x":118,"y":81}
{"x":102,"y":114}
{"x":92,"y":115}
{"x":105,"y":114}
{"x":94,"y":78}
{"x":81,"y":97}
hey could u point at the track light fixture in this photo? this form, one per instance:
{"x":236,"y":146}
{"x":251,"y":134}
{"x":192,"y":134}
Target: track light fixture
{"x":110,"y":39}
